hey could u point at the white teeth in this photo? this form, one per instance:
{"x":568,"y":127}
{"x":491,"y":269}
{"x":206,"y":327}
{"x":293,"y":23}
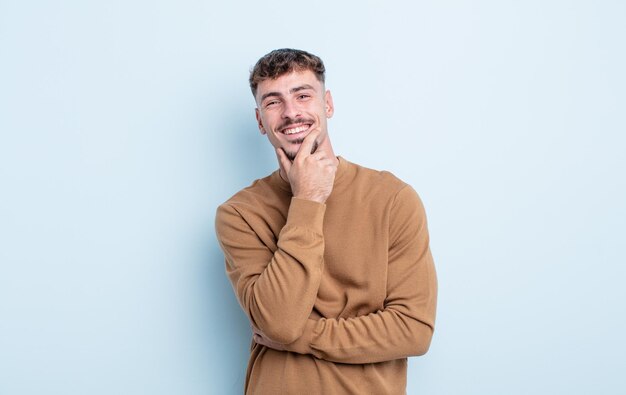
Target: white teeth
{"x":296,"y":130}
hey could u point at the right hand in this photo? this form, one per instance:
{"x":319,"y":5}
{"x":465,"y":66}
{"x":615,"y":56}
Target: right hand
{"x":311,"y":175}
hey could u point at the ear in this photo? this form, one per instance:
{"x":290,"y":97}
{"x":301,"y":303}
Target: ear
{"x":330,"y":108}
{"x":257,"y":113}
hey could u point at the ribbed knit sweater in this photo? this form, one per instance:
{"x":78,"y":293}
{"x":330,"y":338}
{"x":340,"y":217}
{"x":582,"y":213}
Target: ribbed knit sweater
{"x":348,"y":286}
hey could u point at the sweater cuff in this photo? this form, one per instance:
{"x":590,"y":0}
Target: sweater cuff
{"x":303,"y":344}
{"x":306,"y":214}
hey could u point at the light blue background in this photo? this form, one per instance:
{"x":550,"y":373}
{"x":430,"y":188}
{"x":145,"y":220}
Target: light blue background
{"x":125,"y":123}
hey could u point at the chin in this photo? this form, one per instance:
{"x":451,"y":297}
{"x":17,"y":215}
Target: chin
{"x":292,"y":154}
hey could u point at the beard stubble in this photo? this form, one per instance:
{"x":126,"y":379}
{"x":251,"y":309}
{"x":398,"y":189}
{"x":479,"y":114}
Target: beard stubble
{"x":292,"y":155}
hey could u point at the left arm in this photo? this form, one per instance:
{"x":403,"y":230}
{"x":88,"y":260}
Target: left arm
{"x":405,"y":325}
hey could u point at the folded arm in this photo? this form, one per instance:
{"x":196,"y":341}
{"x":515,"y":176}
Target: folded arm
{"x":276,"y":289}
{"x":404,"y":327}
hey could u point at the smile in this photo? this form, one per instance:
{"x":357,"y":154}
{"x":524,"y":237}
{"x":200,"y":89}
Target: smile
{"x":296,"y":129}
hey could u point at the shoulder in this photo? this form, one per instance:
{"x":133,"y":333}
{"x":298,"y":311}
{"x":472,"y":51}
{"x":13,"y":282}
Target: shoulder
{"x":381,"y":181}
{"x":259,"y":190}
{"x":263,"y":201}
{"x":384,"y":187}
{"x":248,"y":198}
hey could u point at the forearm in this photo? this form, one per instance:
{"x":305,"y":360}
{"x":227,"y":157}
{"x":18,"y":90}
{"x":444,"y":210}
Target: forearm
{"x":281,"y":298}
{"x":276,"y":289}
{"x":377,"y":337}
{"x":404,"y":326}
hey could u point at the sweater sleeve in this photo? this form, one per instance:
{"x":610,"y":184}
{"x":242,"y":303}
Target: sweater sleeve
{"x":404,"y":327}
{"x":276,"y":290}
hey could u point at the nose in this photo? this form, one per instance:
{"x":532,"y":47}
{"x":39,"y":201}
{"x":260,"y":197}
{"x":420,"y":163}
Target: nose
{"x":290,"y":110}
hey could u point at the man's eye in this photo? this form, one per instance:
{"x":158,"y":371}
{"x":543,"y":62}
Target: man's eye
{"x":303,"y":96}
{"x":271,"y":103}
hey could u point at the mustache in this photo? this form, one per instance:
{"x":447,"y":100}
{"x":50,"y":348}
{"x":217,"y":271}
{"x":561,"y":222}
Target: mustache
{"x":294,"y":121}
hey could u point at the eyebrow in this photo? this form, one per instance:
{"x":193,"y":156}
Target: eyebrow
{"x":292,"y":90}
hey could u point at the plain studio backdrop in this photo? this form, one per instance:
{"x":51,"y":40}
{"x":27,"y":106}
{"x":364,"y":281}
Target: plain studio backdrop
{"x":123,"y":124}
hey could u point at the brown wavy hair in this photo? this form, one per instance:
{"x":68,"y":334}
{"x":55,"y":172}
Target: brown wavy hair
{"x":283,"y":61}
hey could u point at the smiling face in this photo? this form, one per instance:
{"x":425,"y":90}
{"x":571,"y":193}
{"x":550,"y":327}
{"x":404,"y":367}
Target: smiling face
{"x":290,"y":107}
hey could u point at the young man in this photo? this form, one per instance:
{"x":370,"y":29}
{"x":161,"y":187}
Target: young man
{"x":329,"y":260}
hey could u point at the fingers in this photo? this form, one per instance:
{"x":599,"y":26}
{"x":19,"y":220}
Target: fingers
{"x":308,"y":144}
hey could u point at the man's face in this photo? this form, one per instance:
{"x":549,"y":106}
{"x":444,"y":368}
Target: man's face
{"x":290,"y":107}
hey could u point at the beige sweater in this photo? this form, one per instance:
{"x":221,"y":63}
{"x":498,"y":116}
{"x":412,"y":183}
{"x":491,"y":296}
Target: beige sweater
{"x":349,"y":286}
